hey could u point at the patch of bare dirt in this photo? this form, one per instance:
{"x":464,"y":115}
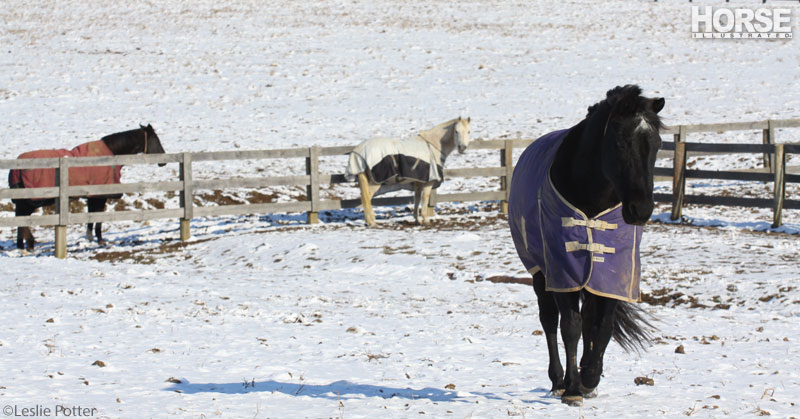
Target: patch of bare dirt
{"x":217,"y":197}
{"x":144,"y":256}
{"x":155,"y":203}
{"x":446,"y":219}
{"x":120,"y":205}
{"x":502,"y":279}
{"x":256,"y":197}
{"x":661,"y":297}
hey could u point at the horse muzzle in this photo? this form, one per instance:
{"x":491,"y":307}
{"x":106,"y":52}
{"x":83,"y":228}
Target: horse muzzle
{"x":637,"y":213}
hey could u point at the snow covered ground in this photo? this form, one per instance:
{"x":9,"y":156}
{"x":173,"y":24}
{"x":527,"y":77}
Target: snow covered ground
{"x":263,"y":316}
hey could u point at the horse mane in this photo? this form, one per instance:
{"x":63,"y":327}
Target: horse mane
{"x":452,"y":121}
{"x":424,"y":134}
{"x":440,"y":126}
{"x":627,"y":102}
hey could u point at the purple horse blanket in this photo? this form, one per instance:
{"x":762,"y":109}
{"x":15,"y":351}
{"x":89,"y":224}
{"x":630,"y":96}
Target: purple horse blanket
{"x":78,"y":176}
{"x":574,"y":252}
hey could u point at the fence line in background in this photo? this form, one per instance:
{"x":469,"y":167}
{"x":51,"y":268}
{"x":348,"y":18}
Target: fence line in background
{"x":774,"y":156}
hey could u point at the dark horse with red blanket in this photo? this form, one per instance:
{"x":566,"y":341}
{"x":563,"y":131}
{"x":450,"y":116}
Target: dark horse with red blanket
{"x":140,"y":140}
{"x":578,"y":201}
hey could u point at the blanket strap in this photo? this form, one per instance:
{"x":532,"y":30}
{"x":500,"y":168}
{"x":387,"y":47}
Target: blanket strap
{"x":592,"y":247}
{"x":595,"y":224}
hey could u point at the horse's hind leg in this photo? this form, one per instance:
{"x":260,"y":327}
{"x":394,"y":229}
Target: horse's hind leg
{"x":96,"y":205}
{"x":426,"y":198}
{"x":366,"y":199}
{"x":20,"y":234}
{"x":548,"y":316}
{"x":24,"y":234}
{"x":569,"y":308}
{"x":598,"y":319}
{"x":29,"y":239}
{"x":417,"y":200}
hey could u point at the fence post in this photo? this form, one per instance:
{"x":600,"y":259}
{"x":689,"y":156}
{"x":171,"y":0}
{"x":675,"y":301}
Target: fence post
{"x":312,"y":190}
{"x":507,"y":162}
{"x":62,"y":207}
{"x":679,"y":173}
{"x":768,"y":137}
{"x":186,"y":198}
{"x":780,"y":185}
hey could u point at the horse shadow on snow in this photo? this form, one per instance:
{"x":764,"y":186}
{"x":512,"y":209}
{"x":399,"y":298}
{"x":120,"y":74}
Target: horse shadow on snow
{"x":344,"y":389}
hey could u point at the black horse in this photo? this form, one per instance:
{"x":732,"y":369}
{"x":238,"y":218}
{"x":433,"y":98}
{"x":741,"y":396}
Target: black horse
{"x":578,"y":201}
{"x":141,"y":140}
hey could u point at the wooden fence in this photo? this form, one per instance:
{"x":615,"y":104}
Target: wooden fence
{"x":186,"y":185}
{"x":774,"y":170}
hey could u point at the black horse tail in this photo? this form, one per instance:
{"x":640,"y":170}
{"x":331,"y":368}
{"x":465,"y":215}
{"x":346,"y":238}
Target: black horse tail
{"x":632,"y":327}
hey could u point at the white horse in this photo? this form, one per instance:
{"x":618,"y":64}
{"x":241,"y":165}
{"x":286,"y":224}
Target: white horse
{"x":385,"y":164}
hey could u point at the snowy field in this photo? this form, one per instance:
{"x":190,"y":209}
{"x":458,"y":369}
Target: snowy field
{"x":264,"y":316}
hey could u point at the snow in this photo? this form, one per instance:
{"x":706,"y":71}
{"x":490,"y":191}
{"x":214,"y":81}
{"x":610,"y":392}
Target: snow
{"x":264,"y":316}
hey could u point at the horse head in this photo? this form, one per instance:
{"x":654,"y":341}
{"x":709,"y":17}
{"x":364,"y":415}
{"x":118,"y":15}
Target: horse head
{"x":630,"y":143}
{"x":152,"y":144}
{"x":461,"y":134}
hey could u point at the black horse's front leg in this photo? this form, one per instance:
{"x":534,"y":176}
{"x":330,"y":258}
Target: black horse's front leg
{"x":96,"y":205}
{"x":569,"y":308}
{"x":598,"y":318}
{"x":548,"y":316}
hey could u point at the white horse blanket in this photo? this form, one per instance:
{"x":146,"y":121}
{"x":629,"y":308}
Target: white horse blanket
{"x":574,"y":252}
{"x":388,"y":160}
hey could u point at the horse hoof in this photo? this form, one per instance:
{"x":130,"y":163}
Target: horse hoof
{"x":588,"y":393}
{"x":557,"y":392}
{"x":572,"y":401}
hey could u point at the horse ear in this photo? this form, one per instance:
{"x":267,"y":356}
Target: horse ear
{"x":149,"y":126}
{"x":657,"y":104}
{"x":469,"y":119}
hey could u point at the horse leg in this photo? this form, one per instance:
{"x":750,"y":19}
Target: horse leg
{"x":548,"y":317}
{"x":20,"y":230}
{"x":96,"y":205}
{"x":24,"y":234}
{"x":569,"y":308}
{"x":417,"y":199}
{"x":20,"y":234}
{"x":426,"y":198}
{"x":598,"y":312}
{"x":89,"y":225}
{"x":366,"y":199}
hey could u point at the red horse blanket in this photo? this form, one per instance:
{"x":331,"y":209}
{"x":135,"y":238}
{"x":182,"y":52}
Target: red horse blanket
{"x":78,"y":176}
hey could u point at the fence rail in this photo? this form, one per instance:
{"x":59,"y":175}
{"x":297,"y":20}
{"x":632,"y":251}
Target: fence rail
{"x":774,"y":159}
